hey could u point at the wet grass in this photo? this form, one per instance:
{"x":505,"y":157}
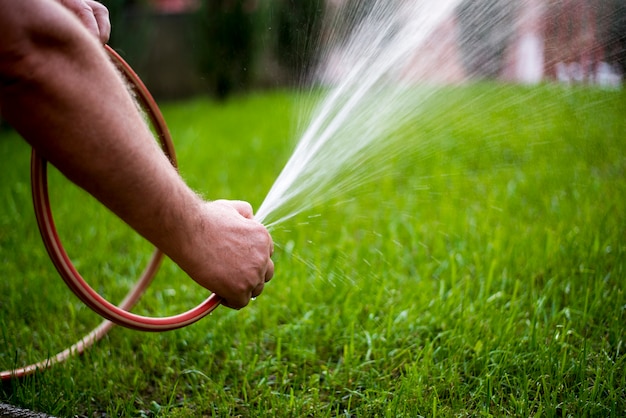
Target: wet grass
{"x":482,"y":277}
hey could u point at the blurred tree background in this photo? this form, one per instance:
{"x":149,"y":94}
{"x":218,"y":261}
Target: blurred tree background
{"x":611,"y":15}
{"x":483,"y":45}
{"x":220,"y":47}
{"x":182,"y":48}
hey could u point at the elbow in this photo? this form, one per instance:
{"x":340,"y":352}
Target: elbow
{"x":33,"y":39}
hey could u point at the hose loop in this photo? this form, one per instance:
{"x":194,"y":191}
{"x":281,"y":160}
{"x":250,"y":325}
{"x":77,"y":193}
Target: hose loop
{"x":119,"y":315}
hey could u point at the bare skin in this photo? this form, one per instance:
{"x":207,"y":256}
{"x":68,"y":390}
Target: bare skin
{"x":61,"y":93}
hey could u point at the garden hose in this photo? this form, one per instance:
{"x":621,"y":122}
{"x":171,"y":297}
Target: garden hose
{"x":119,"y":315}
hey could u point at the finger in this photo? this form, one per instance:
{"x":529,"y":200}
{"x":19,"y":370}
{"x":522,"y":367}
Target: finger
{"x":235,"y":305}
{"x":244,"y":208}
{"x":258,"y":290}
{"x":84,"y":13}
{"x":269,"y":273}
{"x":101,"y":14}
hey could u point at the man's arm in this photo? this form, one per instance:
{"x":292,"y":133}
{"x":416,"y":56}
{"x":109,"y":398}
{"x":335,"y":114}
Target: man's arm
{"x":60,"y":91}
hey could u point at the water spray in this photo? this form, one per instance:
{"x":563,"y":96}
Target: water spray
{"x":120,"y":314}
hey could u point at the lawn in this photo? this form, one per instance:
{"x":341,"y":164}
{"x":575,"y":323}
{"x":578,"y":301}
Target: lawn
{"x":483,"y":275}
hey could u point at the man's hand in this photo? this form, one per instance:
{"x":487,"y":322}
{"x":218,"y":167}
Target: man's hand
{"x":93,"y":15}
{"x":232,"y":257}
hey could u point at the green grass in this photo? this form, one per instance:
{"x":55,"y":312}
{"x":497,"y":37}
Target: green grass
{"x":483,"y":277}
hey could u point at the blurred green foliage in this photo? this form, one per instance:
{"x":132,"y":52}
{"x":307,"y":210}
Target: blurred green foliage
{"x":225,"y":44}
{"x":230,"y":41}
{"x":299,"y":27}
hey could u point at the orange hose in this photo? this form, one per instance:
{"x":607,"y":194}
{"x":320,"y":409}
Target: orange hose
{"x":114,"y":314}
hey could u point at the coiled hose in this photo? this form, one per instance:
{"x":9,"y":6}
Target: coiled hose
{"x":119,"y":315}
